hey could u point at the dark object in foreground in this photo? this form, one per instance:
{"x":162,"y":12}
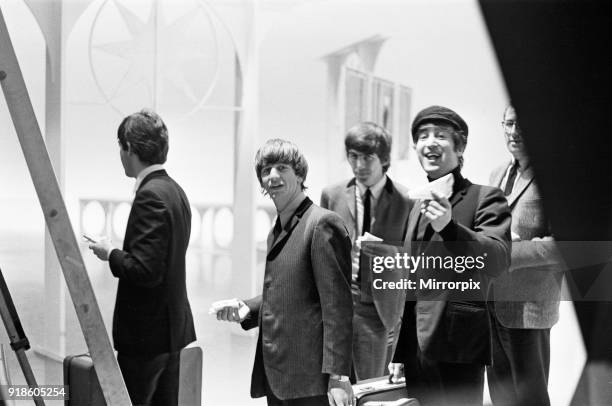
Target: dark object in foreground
{"x":381,"y":392}
{"x":82,"y":382}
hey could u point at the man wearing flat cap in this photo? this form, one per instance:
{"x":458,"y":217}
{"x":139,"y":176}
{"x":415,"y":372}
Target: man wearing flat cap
{"x":444,"y":343}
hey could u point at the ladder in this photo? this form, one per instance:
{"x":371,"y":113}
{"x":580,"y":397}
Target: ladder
{"x":58,"y":224}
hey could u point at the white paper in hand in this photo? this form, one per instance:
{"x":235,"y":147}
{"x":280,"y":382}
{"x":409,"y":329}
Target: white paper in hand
{"x":243,"y":310}
{"x":443,"y":186}
{"x":369,"y":237}
{"x":366,"y":237}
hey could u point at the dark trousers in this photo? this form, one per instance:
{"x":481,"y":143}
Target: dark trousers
{"x":370,"y":340}
{"x":151,"y":380}
{"x":309,"y":401}
{"x":436,"y":383}
{"x":521,"y":359}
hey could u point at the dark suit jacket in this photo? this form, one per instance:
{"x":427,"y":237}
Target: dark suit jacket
{"x":305,"y":311}
{"x":391,"y":217}
{"x":528,"y":296}
{"x":459,"y":330}
{"x":152,"y":313}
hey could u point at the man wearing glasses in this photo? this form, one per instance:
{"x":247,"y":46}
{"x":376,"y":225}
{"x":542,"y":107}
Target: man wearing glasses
{"x":370,"y":203}
{"x":525,"y":301}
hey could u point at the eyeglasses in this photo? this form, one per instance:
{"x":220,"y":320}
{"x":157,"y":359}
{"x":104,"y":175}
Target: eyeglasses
{"x":354,"y":157}
{"x":509,"y":125}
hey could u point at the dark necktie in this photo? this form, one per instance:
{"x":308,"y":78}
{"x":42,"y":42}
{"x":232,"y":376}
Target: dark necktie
{"x":277,"y":229}
{"x":365,"y":228}
{"x":511,"y":178}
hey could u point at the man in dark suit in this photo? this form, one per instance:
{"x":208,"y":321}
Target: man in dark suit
{"x":305,"y":312}
{"x":525,"y":301}
{"x":445,"y":338}
{"x":152,"y":321}
{"x":370,"y":202}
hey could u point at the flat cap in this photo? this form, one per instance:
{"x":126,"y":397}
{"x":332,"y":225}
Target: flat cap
{"x":438,"y":114}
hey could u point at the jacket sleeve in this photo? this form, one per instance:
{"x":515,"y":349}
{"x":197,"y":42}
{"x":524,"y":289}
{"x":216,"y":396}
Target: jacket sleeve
{"x":143,"y":262}
{"x":489,"y":234}
{"x":325,"y":199}
{"x":495,"y":175}
{"x":537,"y":256}
{"x":330,"y":255}
{"x":252,"y":320}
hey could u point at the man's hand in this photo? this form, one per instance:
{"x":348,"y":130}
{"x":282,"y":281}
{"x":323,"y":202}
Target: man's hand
{"x":438,"y":210}
{"x":340,"y":391}
{"x":102,"y":248}
{"x":396,"y":371}
{"x":230,"y":310}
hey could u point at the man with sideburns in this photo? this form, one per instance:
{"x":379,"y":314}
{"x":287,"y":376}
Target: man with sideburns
{"x":305,"y":311}
{"x":370,"y":202}
{"x":152,"y":321}
{"x":444,"y":342}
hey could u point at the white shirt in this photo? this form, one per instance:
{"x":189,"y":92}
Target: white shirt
{"x":519,"y":171}
{"x":360,"y":189}
{"x":376,"y":191}
{"x":143,"y":174}
{"x":288,"y":211}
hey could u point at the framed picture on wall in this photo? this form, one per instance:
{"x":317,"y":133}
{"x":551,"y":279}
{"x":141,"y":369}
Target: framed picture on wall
{"x":403,"y":138}
{"x":383,"y":103}
{"x":355,"y":98}
{"x":387,"y":103}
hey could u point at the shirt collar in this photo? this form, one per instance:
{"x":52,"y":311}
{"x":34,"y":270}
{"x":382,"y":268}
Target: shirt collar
{"x":521,"y":168}
{"x":288,"y":211}
{"x":457,"y":179}
{"x":375,"y":189}
{"x":143,"y":174}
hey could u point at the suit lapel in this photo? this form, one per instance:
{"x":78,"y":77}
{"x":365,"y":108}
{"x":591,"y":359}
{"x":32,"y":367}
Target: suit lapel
{"x":289,"y":227}
{"x":459,"y":193}
{"x":412,"y":244}
{"x":499,"y":176}
{"x":383,"y":203}
{"x":270,"y":239}
{"x":413,"y":222}
{"x":349,"y":194}
{"x":280,"y":242}
{"x":520,"y":185}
